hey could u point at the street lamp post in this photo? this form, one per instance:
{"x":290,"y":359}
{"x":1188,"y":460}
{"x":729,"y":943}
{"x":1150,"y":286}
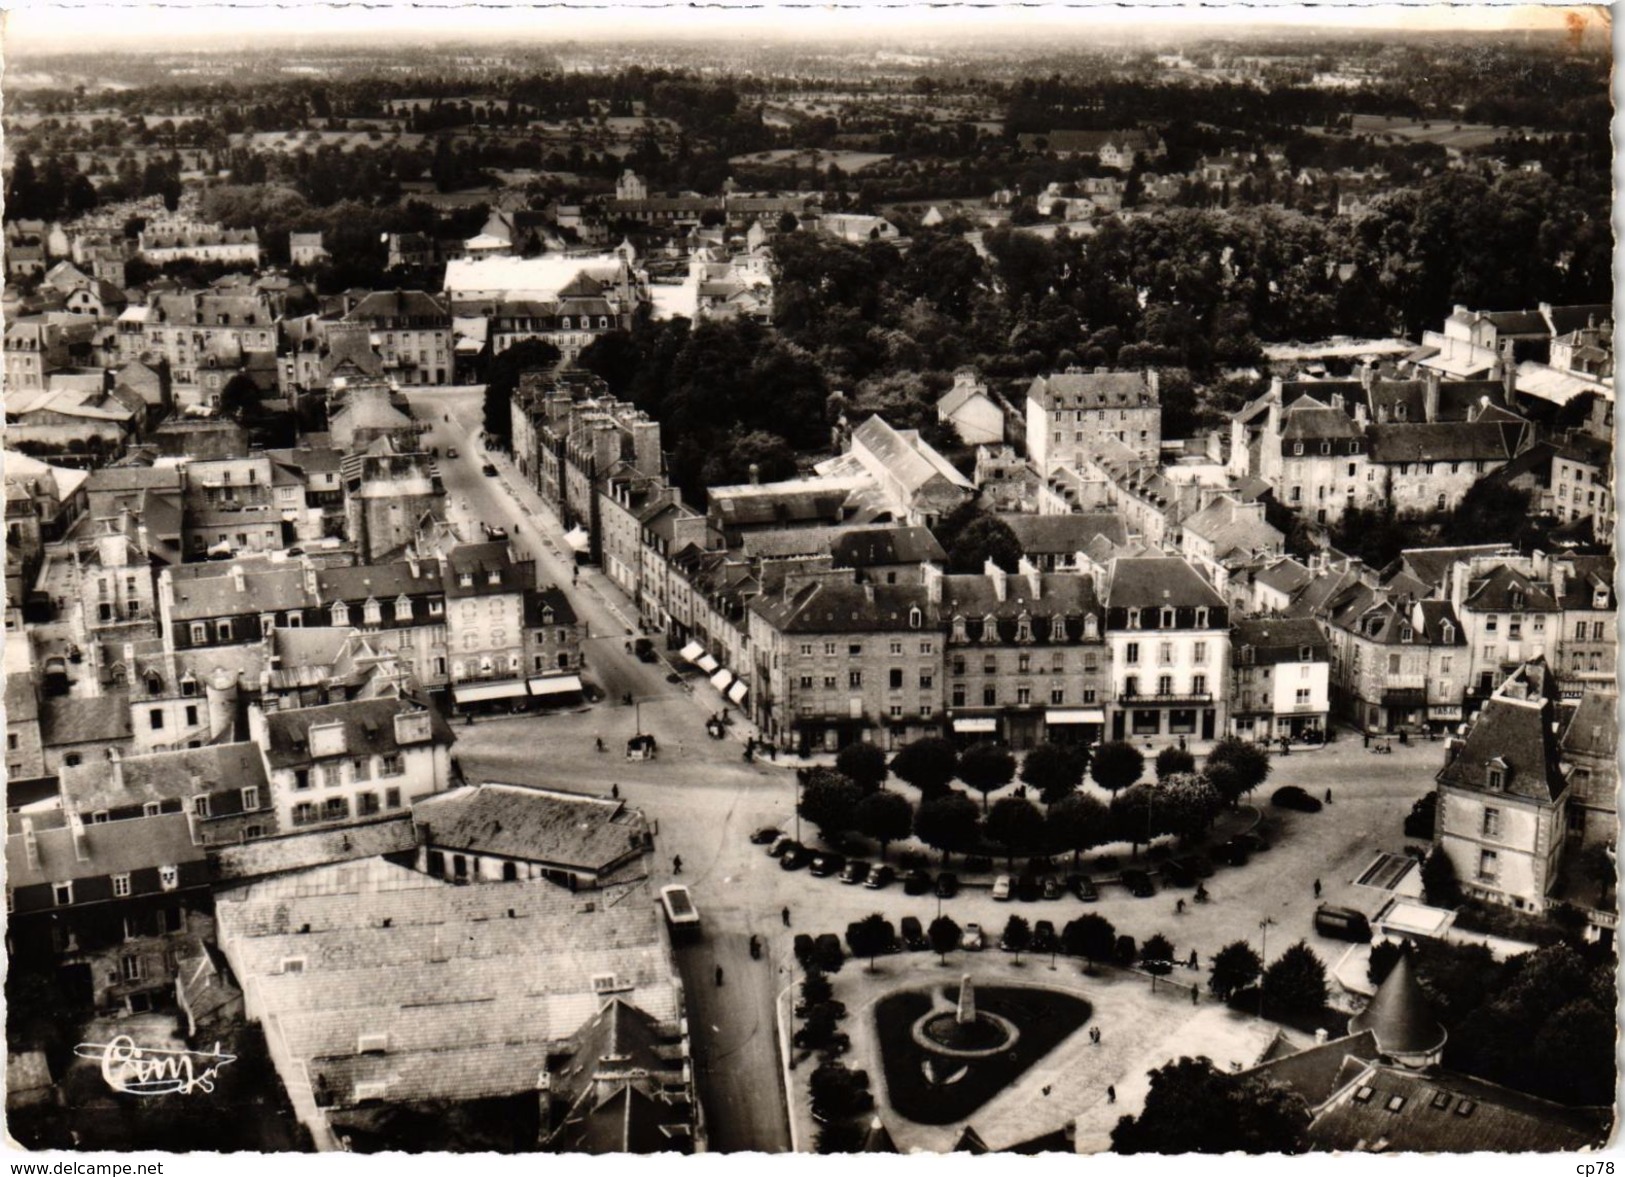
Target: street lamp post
{"x":1264,"y":926}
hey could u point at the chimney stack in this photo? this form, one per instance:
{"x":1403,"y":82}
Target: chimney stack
{"x":1430,"y":396}
{"x":239,"y":582}
{"x":31,"y":843}
{"x":81,"y":843}
{"x":1035,"y":579}
{"x":995,"y":575}
{"x":931,"y":578}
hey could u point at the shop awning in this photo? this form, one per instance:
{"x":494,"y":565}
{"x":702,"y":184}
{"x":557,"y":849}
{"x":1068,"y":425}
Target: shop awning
{"x":556,"y":684}
{"x":580,"y":542}
{"x":707,"y":663}
{"x":692,"y":652}
{"x":721,"y":679}
{"x":480,"y":692}
{"x":737,"y":692}
{"x":978,"y":723}
{"x":1075,"y":715}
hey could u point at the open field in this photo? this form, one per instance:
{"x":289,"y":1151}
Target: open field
{"x":847,"y":161}
{"x":1461,"y":136}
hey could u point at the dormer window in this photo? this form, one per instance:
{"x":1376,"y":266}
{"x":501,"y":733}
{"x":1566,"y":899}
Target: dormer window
{"x":373,"y":612}
{"x":1057,"y":628}
{"x":547,"y":615}
{"x":915,"y":617}
{"x":1134,"y":619}
{"x":1447,"y":633}
{"x":465,"y":579}
{"x":1306,"y":653}
{"x":340,"y":613}
{"x":1024,"y":628}
{"x":494,"y":576}
{"x":1201,"y":618}
{"x":1405,"y":633}
{"x":1297,"y":449}
{"x":403,"y":608}
{"x":1091,"y":627}
{"x":1517,"y":600}
{"x":1354,"y":447}
{"x":1246,"y":655}
{"x":990,"y":628}
{"x":1496,"y":774}
{"x":1599,"y":599}
{"x":959,"y":633}
{"x":1325,"y":447}
{"x":1165,"y":619}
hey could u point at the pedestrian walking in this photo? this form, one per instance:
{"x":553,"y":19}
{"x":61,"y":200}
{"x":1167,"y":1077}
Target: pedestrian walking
{"x":1111,"y":1093}
{"x":1317,"y":888}
{"x":719,"y":976}
{"x":1194,"y":997}
{"x":615,"y":791}
{"x":1195,"y":961}
{"x":1046,"y":1090}
{"x":786,"y":916}
{"x":1328,"y":796}
{"x":1368,"y":739}
{"x":1179,"y":908}
{"x":677,"y":864}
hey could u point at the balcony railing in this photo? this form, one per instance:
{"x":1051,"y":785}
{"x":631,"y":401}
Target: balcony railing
{"x":1162,"y":700}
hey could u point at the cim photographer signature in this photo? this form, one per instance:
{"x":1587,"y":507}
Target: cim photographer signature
{"x":141,"y":1070}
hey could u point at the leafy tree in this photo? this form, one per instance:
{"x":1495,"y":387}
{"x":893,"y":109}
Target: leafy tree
{"x":240,"y":398}
{"x":1077,"y":823}
{"x":1116,"y":765}
{"x":947,"y":823}
{"x":886,"y":817}
{"x":1055,"y":770}
{"x":829,"y":801}
{"x":835,"y":1090}
{"x":1248,"y":765}
{"x":1016,"y":824}
{"x":927,"y":764}
{"x":1187,"y":803}
{"x":815,"y":987}
{"x":986,"y":766}
{"x":870,"y":936}
{"x":944,"y":936}
{"x":1419,"y":821}
{"x":1295,"y":982}
{"x":1018,"y":934}
{"x":1571,"y":1058}
{"x":1385,"y":955}
{"x":746,"y":454}
{"x":1124,"y":951}
{"x":985,"y":538}
{"x":1157,"y":955}
{"x":1439,"y":883}
{"x":864,"y":764}
{"x":530,"y":355}
{"x":1171,"y":760}
{"x":1193,"y":1107}
{"x":1235,"y":967}
{"x":1139,"y":815}
{"x":1090,"y":936}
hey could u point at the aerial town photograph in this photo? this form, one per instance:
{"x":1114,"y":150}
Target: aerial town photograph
{"x":684,"y":580}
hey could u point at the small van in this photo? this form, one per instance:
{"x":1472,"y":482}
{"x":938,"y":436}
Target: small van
{"x":1342,"y":923}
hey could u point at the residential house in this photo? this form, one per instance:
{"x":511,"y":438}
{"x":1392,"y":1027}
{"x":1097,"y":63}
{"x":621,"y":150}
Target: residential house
{"x":1119,"y":149}
{"x":1227,"y":536}
{"x":222,"y":786}
{"x":219,"y":604}
{"x":411,"y":331}
{"x":919,"y":485}
{"x":1504,"y":795}
{"x":553,"y":636}
{"x":1311,"y":452}
{"x":1422,"y":468}
{"x":1117,"y":479}
{"x":1273,"y":588}
{"x":307,"y":249}
{"x":1590,"y":747}
{"x":485,"y":591}
{"x":399,"y":604}
{"x":1070,"y":415}
{"x":971,"y":410}
{"x":410,"y":249}
{"x":165,"y":242}
{"x":351,"y":761}
{"x":1025,"y":655}
{"x":856,"y":228}
{"x":77,"y":730}
{"x":1509,"y":609}
{"x":1582,"y":478}
{"x":884,"y":555}
{"x":1398,"y":663}
{"x":388,"y":496}
{"x":1005,"y":480}
{"x":1168,"y":633}
{"x":379,"y":987}
{"x":1587,"y":651}
{"x":25,"y":747}
{"x":1280,"y":678}
{"x":492,"y":833}
{"x":627,"y":503}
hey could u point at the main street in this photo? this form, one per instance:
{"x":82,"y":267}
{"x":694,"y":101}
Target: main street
{"x":705,"y":802}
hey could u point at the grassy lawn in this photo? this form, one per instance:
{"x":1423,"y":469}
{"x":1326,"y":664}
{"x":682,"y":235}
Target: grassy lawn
{"x":1044,"y":1018}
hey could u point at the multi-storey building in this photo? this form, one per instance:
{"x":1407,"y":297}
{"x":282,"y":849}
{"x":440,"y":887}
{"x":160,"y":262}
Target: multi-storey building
{"x":195,"y":330}
{"x":222,"y":787}
{"x":1582,"y":478}
{"x":1025,"y":655}
{"x":1311,"y":451}
{"x":1587,"y":648}
{"x":351,"y":761}
{"x":402,"y":603}
{"x":191,"y":241}
{"x":1590,"y":747}
{"x":1510,"y":614}
{"x":1422,"y":467}
{"x":919,"y":485}
{"x":388,"y":496}
{"x":1169,"y":637}
{"x":1397,"y":663}
{"x":1280,"y":678}
{"x":411,"y":332}
{"x":837,"y":662}
{"x":1504,"y":795}
{"x":485,"y":591}
{"x":1069,"y":415}
{"x":1226,"y":536}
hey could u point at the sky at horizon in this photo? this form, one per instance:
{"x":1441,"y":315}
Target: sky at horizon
{"x":42,"y":27}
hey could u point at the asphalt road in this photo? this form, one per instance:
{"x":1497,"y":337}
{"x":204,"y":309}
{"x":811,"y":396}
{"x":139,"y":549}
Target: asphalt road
{"x":702,"y":797}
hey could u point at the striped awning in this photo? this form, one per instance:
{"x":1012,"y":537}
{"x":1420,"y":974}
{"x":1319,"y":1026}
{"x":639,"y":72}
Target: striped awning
{"x":737,"y":692}
{"x":721,"y":679}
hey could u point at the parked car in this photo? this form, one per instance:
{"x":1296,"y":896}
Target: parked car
{"x":1139,"y":884}
{"x":1343,"y":923}
{"x":947,"y":885}
{"x":794,"y":858}
{"x":854,"y":872}
{"x":827,"y":951}
{"x":451,"y":451}
{"x":824,"y":865}
{"x":916,"y":882}
{"x":1083,"y":887}
{"x":645,"y":650}
{"x":835,"y":1009}
{"x":1233,"y":853}
{"x":1255,"y":843}
{"x":488,"y":470}
{"x":1199,"y":865}
{"x":1028,"y":889}
{"x":1051,"y":887}
{"x":970,"y":939}
{"x":1175,"y":874}
{"x":803,"y":948}
{"x":1292,"y":797}
{"x":913,"y":934}
{"x":1001,"y":888}
{"x":1044,"y":938}
{"x":780,"y":845}
{"x":765,"y":836}
{"x":880,"y":877}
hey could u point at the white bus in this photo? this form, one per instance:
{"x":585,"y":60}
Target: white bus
{"x":680,"y":910}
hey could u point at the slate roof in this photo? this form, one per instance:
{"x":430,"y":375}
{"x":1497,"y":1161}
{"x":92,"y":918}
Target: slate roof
{"x":1444,"y":1112}
{"x":1285,"y":575}
{"x":1593,"y":729}
{"x":472,"y":985}
{"x":1518,"y":732}
{"x":1308,"y":419}
{"x":22,"y":700}
{"x":1590,"y":573}
{"x":114,"y":847}
{"x":972,"y":596}
{"x":1479,"y":441}
{"x":384,"y":582}
{"x":1157,"y":581}
{"x":1064,"y":534}
{"x":868,"y":546}
{"x":532,"y":825}
{"x":832,"y":607}
{"x":1432,"y":565}
{"x":164,"y":776}
{"x":1231,"y":527}
{"x":961,"y":395}
{"x":1494,"y":593}
{"x":304,"y":849}
{"x":905,"y":457}
{"x":208,"y":590}
{"x":71,"y":720}
{"x":369,"y":729}
{"x":1574,"y":318}
{"x":615,"y":1063}
{"x":480,"y":560}
{"x":1092,"y":390}
{"x":1398,"y":1016}
{"x":781,"y":503}
{"x":400,"y":304}
{"x":548,"y":597}
{"x":1317,"y":1072}
{"x":1277,"y":639}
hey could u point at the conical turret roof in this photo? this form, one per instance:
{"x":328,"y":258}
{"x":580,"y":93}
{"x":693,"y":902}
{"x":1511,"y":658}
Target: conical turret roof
{"x":971,"y":1141}
{"x":1398,"y":1015}
{"x":878,"y":1139}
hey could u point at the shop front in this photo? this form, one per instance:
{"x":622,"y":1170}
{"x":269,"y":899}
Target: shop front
{"x":1075,"y":726}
